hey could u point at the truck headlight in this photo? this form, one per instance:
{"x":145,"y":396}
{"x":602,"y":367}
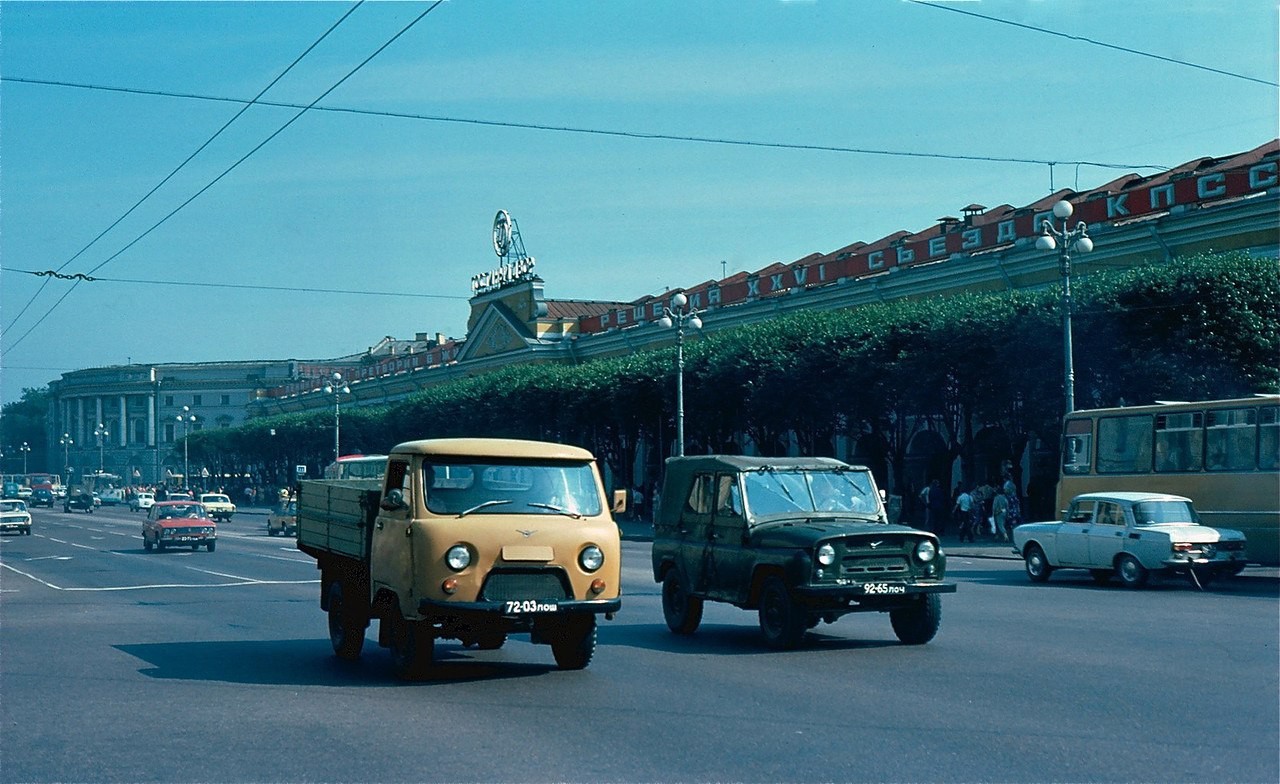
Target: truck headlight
{"x":458,"y":557}
{"x":826,"y":555}
{"x":591,"y":558}
{"x":926,"y":551}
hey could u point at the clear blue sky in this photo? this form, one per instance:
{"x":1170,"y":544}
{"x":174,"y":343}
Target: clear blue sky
{"x":365,"y":203}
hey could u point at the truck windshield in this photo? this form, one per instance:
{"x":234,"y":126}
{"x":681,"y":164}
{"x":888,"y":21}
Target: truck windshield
{"x":511,"y":488}
{"x":772,"y":492}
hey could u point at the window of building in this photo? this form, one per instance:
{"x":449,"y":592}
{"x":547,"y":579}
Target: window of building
{"x":226,"y":400}
{"x":168,"y":433}
{"x":197,"y":400}
{"x":168,"y":400}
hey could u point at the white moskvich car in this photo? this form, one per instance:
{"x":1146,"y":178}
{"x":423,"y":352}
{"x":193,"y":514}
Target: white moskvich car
{"x":1133,"y":535}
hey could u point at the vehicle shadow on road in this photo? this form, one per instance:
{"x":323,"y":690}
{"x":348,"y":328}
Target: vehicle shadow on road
{"x":309,"y":663}
{"x":731,"y":640}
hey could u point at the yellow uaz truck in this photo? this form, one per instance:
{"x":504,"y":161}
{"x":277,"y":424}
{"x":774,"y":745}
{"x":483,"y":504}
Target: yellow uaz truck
{"x":470,"y":539}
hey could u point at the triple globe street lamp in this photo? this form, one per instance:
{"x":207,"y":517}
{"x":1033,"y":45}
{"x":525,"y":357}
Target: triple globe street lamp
{"x":65,"y":442}
{"x":25,"y":449}
{"x":678,"y":314}
{"x":1065,"y":241}
{"x":337,"y":388}
{"x":101,"y":433}
{"x":187,"y":419}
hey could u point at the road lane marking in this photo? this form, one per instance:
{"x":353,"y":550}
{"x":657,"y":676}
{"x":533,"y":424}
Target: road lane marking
{"x":112,"y":588}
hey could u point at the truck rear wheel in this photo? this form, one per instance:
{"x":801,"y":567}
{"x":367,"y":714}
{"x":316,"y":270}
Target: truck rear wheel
{"x":413,"y":648}
{"x":346,"y":633}
{"x":574,"y":642}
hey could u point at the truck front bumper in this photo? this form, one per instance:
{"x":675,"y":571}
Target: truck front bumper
{"x":871,"y":595}
{"x":521,"y":608}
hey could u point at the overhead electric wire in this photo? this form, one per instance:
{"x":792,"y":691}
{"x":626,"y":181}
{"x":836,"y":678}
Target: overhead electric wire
{"x":598,"y":131}
{"x":232,"y":167}
{"x":189,"y":158}
{"x":250,"y":286}
{"x":1094,"y":42}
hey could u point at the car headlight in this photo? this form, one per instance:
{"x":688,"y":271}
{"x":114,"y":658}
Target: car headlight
{"x":826,"y":555}
{"x":925,"y":551}
{"x":458,"y":557}
{"x":591,"y":558}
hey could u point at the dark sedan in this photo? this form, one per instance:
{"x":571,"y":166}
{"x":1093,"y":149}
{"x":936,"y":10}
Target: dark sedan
{"x":78,"y":500}
{"x":41,"y":496}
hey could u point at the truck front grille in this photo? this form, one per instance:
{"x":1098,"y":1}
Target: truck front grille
{"x":504,"y":585}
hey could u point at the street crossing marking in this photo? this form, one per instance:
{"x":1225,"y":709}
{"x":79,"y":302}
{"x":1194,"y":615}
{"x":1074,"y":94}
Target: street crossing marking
{"x":104,"y":589}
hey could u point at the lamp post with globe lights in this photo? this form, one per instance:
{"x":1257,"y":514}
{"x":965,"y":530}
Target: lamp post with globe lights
{"x":65,"y":442}
{"x":678,"y":314}
{"x":1065,"y":241}
{"x":336,"y":388}
{"x":187,"y":419}
{"x":102,"y":434}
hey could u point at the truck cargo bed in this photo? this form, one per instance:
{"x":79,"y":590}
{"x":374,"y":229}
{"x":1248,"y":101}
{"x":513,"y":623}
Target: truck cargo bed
{"x":335,"y":516}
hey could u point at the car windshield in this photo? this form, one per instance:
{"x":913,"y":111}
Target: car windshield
{"x":13,"y":506}
{"x":780,"y":491}
{"x":1159,"y":512}
{"x":512,"y":488}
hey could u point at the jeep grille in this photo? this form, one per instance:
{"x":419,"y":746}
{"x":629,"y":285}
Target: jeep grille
{"x":875,"y":556}
{"x":504,"y":585}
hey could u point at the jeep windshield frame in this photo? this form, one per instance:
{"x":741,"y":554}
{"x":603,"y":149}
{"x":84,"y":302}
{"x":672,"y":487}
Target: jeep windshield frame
{"x":466,"y":488}
{"x":810,"y":493}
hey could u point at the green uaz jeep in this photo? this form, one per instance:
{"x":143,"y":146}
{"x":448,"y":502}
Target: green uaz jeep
{"x":799,"y":540}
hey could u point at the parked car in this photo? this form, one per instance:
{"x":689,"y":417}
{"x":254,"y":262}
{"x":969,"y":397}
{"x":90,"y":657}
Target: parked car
{"x":283,"y":519}
{"x":78,"y":499}
{"x":219,"y":506}
{"x":14,"y":516}
{"x":1132,"y":535}
{"x":142,"y":501}
{"x":179,"y":524}
{"x":42,"y":496}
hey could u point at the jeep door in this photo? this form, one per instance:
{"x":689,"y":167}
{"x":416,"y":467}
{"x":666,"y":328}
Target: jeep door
{"x":694,"y":534}
{"x":731,"y":557}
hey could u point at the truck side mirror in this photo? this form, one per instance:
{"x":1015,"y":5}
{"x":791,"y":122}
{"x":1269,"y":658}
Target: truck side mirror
{"x":393,"y":502}
{"x":619,"y":501}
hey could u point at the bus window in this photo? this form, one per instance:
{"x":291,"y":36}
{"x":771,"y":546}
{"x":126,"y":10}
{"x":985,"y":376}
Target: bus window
{"x":1075,"y":454}
{"x":1231,"y":439}
{"x":1269,"y":438}
{"x":1124,"y":445}
{"x":1180,"y":442}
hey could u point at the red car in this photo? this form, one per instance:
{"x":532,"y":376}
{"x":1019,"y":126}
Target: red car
{"x":179,"y":524}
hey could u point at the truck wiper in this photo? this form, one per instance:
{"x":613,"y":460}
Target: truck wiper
{"x":478,"y":507}
{"x":556,"y":509}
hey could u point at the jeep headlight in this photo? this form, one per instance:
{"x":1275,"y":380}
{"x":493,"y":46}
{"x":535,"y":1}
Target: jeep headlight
{"x":926,"y":551}
{"x":826,"y":555}
{"x":591,"y":558}
{"x":458,"y":557}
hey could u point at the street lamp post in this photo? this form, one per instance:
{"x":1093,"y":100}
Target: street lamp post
{"x":1065,"y":241}
{"x":101,"y":432}
{"x":65,"y":442}
{"x":25,"y":449}
{"x":187,"y":419}
{"x":336,"y":388}
{"x":677,"y":315}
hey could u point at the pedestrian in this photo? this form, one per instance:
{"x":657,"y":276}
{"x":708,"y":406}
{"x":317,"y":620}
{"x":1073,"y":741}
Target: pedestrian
{"x":999,"y":514}
{"x":964,"y":512}
{"x":1013,"y":517}
{"x":935,"y":507}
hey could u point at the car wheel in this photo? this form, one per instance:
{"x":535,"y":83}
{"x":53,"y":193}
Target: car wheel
{"x":146,"y":543}
{"x":159,"y":543}
{"x":1132,"y":573}
{"x":1101,"y":576}
{"x":412,"y":649}
{"x":682,"y":611}
{"x":917,"y":624}
{"x":346,"y":632}
{"x":574,"y":642}
{"x":271,"y":531}
{"x":1038,"y":568}
{"x":782,"y":623}
{"x":210,"y":546}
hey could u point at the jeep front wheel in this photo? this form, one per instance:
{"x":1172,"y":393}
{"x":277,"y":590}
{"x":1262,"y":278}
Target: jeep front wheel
{"x":682,"y":611}
{"x":782,"y":623}
{"x":574,"y":642}
{"x":918,"y":623}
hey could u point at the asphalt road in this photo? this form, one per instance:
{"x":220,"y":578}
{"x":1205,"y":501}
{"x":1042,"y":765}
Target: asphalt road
{"x":121,"y":665}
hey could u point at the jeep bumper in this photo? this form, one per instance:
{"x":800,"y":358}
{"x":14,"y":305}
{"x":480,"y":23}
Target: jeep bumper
{"x":520,"y":608}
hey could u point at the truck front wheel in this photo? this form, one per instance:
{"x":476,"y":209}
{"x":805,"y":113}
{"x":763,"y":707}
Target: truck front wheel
{"x":574,"y":642}
{"x":682,"y":612}
{"x":346,"y":633}
{"x":782,"y":623}
{"x":918,"y":623}
{"x":413,"y":648}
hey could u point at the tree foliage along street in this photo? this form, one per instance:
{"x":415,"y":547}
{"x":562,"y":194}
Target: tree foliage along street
{"x":1202,"y":327}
